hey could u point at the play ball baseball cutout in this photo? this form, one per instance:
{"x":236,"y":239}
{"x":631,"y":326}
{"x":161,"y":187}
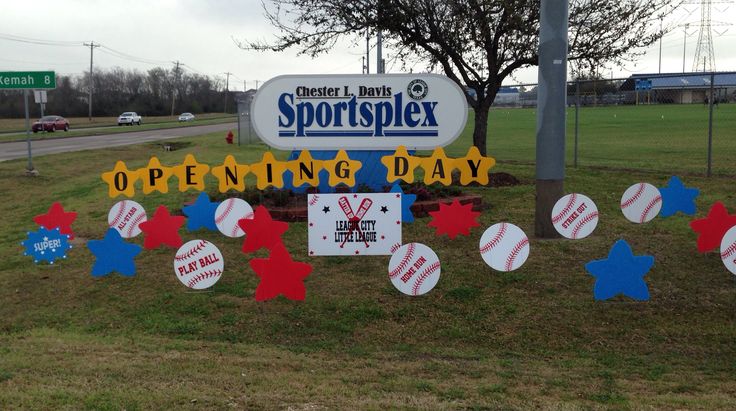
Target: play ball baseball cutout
{"x":198,"y":264}
{"x":728,"y":250}
{"x":228,"y":213}
{"x":504,"y":247}
{"x":125,"y":216}
{"x":414,"y":269}
{"x":641,"y":203}
{"x":575,"y":216}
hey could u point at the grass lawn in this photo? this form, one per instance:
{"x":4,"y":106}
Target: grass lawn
{"x":533,"y":338}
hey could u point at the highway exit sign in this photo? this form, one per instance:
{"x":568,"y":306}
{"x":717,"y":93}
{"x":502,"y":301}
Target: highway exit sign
{"x":15,"y":80}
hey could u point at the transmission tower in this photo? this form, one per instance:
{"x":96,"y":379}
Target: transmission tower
{"x":705,"y":56}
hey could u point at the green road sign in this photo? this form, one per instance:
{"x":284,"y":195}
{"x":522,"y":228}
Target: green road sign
{"x":15,"y":80}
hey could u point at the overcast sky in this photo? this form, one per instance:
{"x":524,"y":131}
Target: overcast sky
{"x":200,"y":33}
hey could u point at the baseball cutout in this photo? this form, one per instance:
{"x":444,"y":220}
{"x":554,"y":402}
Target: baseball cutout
{"x":414,"y":269}
{"x":504,"y":247}
{"x":198,"y":264}
{"x":228,"y":213}
{"x":641,"y":203}
{"x":728,"y":250}
{"x":125,"y":216}
{"x":575,"y":216}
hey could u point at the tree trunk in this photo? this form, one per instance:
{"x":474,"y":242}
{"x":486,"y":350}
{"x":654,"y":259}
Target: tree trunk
{"x":481,"y":128}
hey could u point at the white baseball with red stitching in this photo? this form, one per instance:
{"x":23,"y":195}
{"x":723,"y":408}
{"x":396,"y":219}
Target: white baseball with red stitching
{"x":504,"y":247}
{"x":641,"y":203}
{"x":414,"y":269}
{"x":228,"y":213}
{"x":575,"y":216}
{"x":125,"y":216}
{"x":198,"y":264}
{"x":728,"y":250}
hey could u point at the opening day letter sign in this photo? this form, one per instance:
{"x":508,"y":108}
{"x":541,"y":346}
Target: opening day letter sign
{"x":354,"y":224}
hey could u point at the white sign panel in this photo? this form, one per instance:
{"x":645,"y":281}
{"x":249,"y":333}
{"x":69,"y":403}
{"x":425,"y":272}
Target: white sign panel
{"x":354,"y":224}
{"x":359,"y":112}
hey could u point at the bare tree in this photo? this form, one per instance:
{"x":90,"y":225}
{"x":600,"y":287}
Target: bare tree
{"x":476,"y":43}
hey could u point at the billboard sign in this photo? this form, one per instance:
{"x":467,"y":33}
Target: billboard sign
{"x":359,"y":112}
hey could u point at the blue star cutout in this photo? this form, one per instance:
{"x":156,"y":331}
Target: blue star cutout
{"x":621,"y":273}
{"x":676,"y":197}
{"x":113,"y":254}
{"x":46,"y":245}
{"x":201,"y":214}
{"x":406,"y":201}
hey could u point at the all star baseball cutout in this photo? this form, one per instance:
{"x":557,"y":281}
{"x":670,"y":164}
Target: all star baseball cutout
{"x":228,"y":213}
{"x":46,"y":245}
{"x":728,"y":250}
{"x":504,"y":247}
{"x":125,"y":216}
{"x":414,"y":269}
{"x":353,"y":224}
{"x":641,"y":203}
{"x":198,"y":264}
{"x":575,"y":216}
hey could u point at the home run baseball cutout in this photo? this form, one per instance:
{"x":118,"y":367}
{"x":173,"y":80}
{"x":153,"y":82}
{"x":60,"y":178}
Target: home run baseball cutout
{"x":728,"y":250}
{"x":414,"y":269}
{"x":125,"y":216}
{"x":198,"y":264}
{"x":641,"y":203}
{"x":504,"y":247}
{"x":575,"y":216}
{"x":228,"y":213}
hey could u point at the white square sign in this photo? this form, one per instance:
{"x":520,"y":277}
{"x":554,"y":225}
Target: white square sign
{"x":354,"y":224}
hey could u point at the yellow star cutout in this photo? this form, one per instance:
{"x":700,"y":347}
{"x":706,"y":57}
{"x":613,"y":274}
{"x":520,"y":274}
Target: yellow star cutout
{"x":305,"y":165}
{"x":342,"y":169}
{"x":120,"y":180}
{"x":155,"y":177}
{"x":190,"y":173}
{"x":438,"y":168}
{"x":401,"y":165}
{"x":230,"y":174}
{"x":474,"y":167}
{"x":269,"y":172}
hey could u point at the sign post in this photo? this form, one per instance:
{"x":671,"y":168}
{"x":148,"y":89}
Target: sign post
{"x":25,"y":80}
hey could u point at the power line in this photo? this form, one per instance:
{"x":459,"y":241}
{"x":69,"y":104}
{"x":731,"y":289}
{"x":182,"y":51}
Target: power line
{"x":28,"y":40}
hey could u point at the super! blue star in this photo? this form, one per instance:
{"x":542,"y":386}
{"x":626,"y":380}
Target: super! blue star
{"x":621,"y":273}
{"x":46,"y":245}
{"x":406,"y":201}
{"x":113,"y":254}
{"x":201,"y":214}
{"x":676,"y":197}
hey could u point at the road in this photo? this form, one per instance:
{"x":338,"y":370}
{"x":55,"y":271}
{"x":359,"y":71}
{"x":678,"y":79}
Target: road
{"x":18,"y":149}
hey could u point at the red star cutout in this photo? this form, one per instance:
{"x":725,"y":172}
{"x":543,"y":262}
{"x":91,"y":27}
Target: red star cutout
{"x":712,"y":228}
{"x":261,"y":230}
{"x":56,"y":217}
{"x":280,"y":275}
{"x":162,"y":228}
{"x":454,"y":219}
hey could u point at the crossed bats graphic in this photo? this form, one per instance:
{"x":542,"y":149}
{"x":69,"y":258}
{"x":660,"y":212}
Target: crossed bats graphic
{"x":356,"y":217}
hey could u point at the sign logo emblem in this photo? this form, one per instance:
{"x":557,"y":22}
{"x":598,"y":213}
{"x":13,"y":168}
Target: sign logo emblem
{"x":417,"y":89}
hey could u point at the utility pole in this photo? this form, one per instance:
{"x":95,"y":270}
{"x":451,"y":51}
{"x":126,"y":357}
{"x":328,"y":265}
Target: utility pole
{"x":684,"y":47}
{"x":367,"y":52}
{"x":379,"y":52}
{"x":91,"y":46}
{"x":227,"y":85}
{"x":660,"y":44}
{"x":244,"y":88}
{"x":257,"y":84}
{"x":175,"y":86}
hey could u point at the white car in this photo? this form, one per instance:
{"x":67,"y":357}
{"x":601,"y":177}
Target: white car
{"x":186,"y":117}
{"x":130,"y":118}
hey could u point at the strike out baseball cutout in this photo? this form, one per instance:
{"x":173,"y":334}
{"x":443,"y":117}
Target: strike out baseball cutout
{"x":46,"y":245}
{"x":198,"y":264}
{"x":453,"y":219}
{"x":125,"y":216}
{"x":641,"y":203}
{"x":621,"y":273}
{"x":353,"y":224}
{"x":504,"y":247}
{"x":57,"y":217}
{"x":228,"y":213}
{"x":728,"y":250}
{"x":414,"y":269}
{"x":713,"y":227}
{"x":575,"y":216}
{"x":112,"y":253}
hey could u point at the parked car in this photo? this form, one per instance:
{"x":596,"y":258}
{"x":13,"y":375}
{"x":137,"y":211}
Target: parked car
{"x":129,"y":118}
{"x":50,"y":123}
{"x":186,"y":117}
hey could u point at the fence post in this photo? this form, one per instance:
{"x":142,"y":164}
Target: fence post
{"x":577,"y":108}
{"x":710,"y":124}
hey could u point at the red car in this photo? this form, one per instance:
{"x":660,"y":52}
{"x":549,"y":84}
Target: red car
{"x":50,"y":123}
